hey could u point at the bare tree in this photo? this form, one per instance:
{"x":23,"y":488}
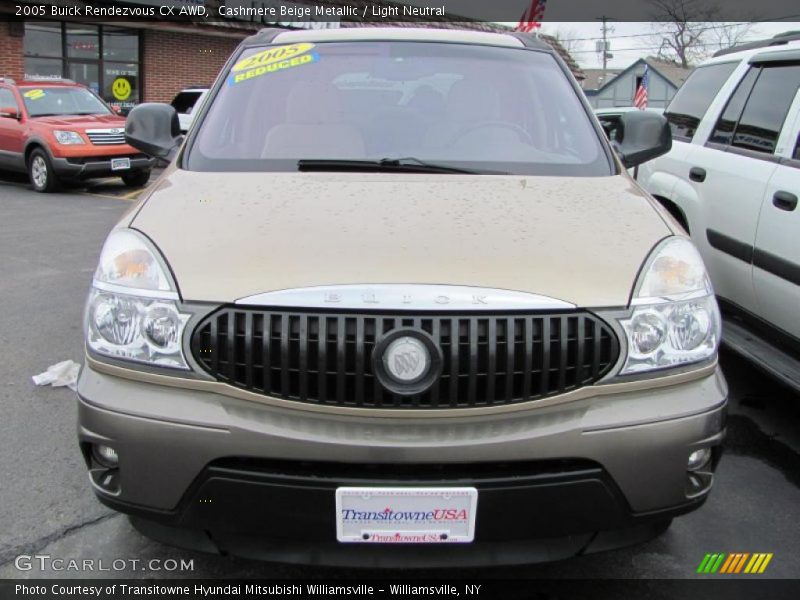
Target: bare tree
{"x":682,"y":27}
{"x":687,"y":31}
{"x":727,"y":35}
{"x":569,"y":39}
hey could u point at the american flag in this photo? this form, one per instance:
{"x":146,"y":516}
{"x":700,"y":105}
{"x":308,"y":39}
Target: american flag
{"x":532,"y":18}
{"x":640,"y":98}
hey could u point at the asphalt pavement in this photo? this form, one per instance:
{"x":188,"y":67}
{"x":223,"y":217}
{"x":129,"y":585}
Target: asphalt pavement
{"x":49,"y":246}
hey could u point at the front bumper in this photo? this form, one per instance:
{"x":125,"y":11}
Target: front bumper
{"x":99,"y":166}
{"x":217,"y":473}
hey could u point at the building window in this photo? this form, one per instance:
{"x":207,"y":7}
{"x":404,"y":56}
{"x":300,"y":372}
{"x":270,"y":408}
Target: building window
{"x":120,"y":44}
{"x":83,"y":41}
{"x":44,"y":50}
{"x":104,"y":59}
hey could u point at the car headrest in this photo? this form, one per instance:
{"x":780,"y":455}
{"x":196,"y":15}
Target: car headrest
{"x":313,"y":103}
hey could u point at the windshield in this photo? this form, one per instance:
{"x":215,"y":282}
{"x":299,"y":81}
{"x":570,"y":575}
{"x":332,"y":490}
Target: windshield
{"x":62,"y":100}
{"x":471,"y":107}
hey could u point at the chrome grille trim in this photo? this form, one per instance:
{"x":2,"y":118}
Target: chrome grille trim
{"x":113,"y":136}
{"x":392,"y":296}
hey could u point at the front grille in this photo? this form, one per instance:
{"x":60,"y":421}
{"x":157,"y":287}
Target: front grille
{"x":326,"y":358}
{"x":106,"y":137}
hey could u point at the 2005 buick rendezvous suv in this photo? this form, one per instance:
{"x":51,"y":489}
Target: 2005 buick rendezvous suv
{"x":397,"y":302}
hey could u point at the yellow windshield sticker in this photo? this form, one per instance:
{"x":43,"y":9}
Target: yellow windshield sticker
{"x":34,"y":94}
{"x":271,"y":55}
{"x":271,"y":60}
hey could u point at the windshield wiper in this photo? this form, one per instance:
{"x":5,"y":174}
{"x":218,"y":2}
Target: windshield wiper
{"x":408,"y":164}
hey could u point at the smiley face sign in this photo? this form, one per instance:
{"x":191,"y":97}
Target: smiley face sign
{"x":121,"y":88}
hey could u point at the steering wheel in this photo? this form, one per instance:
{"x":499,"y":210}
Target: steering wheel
{"x":523,"y":135}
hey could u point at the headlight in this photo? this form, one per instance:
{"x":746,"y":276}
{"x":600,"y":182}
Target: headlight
{"x":675,"y":318}
{"x":68,"y":138}
{"x":132,"y":311}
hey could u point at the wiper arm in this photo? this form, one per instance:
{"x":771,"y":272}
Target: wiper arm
{"x":410,"y":162}
{"x":407,"y":164}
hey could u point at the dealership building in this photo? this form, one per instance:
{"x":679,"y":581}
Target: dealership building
{"x":131,"y":59}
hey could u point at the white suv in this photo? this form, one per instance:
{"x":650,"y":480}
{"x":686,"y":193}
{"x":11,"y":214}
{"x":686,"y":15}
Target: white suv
{"x":187,"y":103}
{"x":733,"y":179}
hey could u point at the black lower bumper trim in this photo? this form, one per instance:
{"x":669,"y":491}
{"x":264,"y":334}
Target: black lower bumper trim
{"x":285,"y":511}
{"x":518,"y":506}
{"x":89,"y":168}
{"x":333,"y":554}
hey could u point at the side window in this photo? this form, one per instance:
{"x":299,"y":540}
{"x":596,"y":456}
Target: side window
{"x":796,"y":154}
{"x":723,"y":132}
{"x":7,"y":98}
{"x":694,"y":97}
{"x":766,"y":109}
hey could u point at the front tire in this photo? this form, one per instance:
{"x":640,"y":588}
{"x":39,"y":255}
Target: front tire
{"x":136,"y":179}
{"x":40,"y":172}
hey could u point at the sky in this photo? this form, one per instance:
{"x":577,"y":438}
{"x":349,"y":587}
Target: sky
{"x":631,"y":41}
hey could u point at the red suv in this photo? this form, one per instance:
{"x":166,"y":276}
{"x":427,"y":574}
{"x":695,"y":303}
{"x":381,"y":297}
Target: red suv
{"x":60,"y":131}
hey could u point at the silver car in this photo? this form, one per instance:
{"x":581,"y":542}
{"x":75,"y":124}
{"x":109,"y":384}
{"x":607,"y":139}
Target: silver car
{"x":396,"y":301}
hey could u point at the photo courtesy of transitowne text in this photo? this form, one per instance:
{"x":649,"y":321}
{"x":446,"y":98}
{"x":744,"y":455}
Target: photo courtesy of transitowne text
{"x":200,"y":590}
{"x":399,"y":298}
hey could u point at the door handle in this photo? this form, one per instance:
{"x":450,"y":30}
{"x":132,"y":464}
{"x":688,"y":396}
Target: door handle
{"x":784,"y":201}
{"x":697,"y":174}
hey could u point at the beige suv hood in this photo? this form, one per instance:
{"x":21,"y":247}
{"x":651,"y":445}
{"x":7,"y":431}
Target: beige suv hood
{"x":231,"y":235}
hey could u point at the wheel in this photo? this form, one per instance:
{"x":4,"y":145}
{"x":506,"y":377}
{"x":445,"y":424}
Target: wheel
{"x":137,"y":178}
{"x":40,"y":171}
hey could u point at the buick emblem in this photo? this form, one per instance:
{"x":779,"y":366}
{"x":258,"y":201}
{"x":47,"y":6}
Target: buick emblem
{"x":406,"y":360}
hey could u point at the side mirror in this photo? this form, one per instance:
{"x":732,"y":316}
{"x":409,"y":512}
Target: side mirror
{"x":10,"y":112}
{"x":609,"y":124}
{"x":641,"y":136}
{"x":154,"y":129}
{"x":117,"y":109}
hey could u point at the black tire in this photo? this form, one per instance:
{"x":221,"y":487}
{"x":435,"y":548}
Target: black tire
{"x":137,"y":178}
{"x":40,"y":172}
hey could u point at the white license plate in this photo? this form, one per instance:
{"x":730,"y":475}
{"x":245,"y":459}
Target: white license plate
{"x":117,"y":164}
{"x":405,"y":515}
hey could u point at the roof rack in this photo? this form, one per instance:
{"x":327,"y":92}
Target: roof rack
{"x":53,"y":79}
{"x":531,"y":40}
{"x":262,"y":36}
{"x":778,"y":40}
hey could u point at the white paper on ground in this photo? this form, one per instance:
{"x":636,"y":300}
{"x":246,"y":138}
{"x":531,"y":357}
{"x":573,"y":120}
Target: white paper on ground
{"x":60,"y":374}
